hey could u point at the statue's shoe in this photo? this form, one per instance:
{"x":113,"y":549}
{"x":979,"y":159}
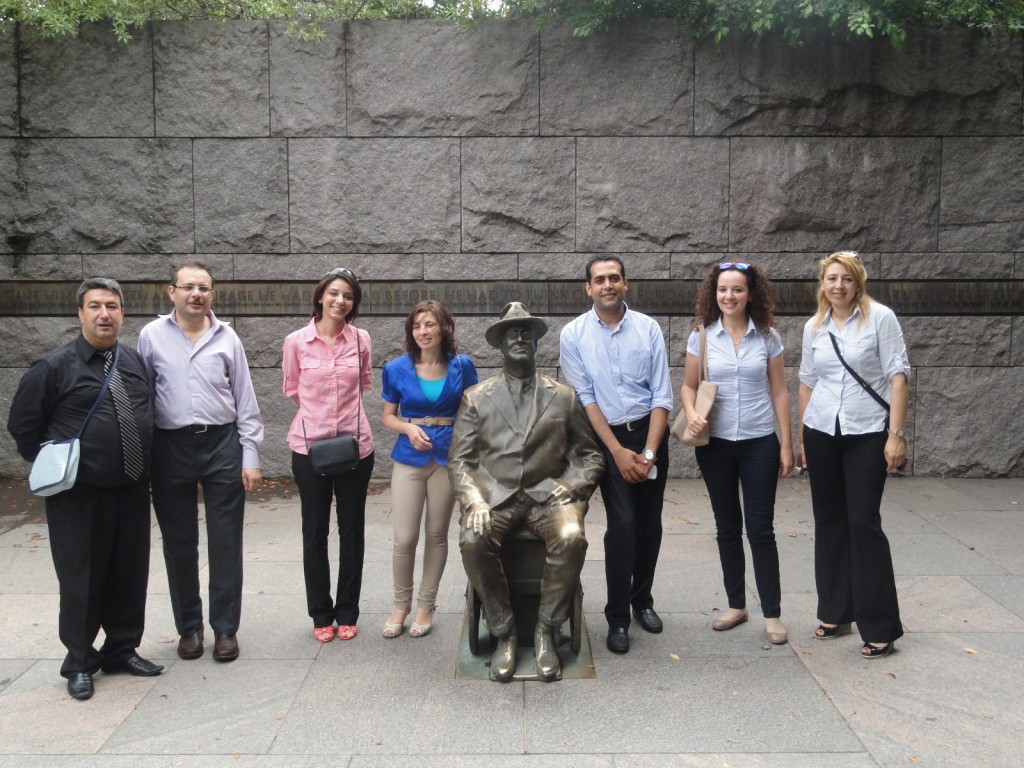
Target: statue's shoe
{"x":503,"y":660}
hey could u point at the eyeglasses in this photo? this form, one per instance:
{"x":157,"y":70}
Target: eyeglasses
{"x":740,"y":265}
{"x":188,"y":288}
{"x":342,"y":272}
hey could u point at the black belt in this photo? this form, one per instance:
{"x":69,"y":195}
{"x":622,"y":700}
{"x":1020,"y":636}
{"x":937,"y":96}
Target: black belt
{"x":197,"y":429}
{"x":632,"y":426}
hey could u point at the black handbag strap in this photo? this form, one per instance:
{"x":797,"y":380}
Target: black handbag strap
{"x":359,"y":393}
{"x":103,"y":391}
{"x":867,"y":387}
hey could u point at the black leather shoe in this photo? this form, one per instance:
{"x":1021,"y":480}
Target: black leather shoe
{"x":191,"y":646}
{"x":80,"y":686}
{"x":503,"y":660}
{"x":549,"y":666}
{"x":133,"y":665}
{"x":649,"y":620}
{"x":618,"y":640}
{"x":225,"y":647}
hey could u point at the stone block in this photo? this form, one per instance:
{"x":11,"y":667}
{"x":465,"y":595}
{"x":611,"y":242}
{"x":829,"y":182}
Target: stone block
{"x":431,"y":78}
{"x":982,"y":194}
{"x":313,"y":266}
{"x":38,"y":266}
{"x":1017,"y":335}
{"x":307,"y":83}
{"x":812,"y":194}
{"x":211,"y":78}
{"x":475,"y":266}
{"x":652,"y":194}
{"x":980,"y":342}
{"x":966,"y":446}
{"x":278,"y":412}
{"x":132,"y":267}
{"x":23,"y":340}
{"x":945,"y":266}
{"x":88,"y":85}
{"x":518,"y":194}
{"x":632,"y":80}
{"x":96,"y":195}
{"x":943,"y":82}
{"x":241,"y":194}
{"x":8,"y":85}
{"x":346,"y":195}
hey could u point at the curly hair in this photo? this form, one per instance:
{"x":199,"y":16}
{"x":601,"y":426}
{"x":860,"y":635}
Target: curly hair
{"x":762,"y":301}
{"x":851,"y":262}
{"x":449,"y":347}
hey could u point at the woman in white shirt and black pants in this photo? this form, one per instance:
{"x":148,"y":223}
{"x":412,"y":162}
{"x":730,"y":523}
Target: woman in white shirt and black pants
{"x":848,"y":445}
{"x":744,"y":352}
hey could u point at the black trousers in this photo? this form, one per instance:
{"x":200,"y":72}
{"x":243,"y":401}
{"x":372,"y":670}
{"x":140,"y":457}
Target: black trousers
{"x":633,"y":539}
{"x":728,"y":465}
{"x":316,"y":493}
{"x":99,"y":540}
{"x":182,"y":459}
{"x":852,"y":562}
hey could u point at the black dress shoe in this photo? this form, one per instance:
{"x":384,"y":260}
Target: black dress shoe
{"x":133,"y":665}
{"x":191,"y":646}
{"x":618,"y":640}
{"x":225,"y":647}
{"x":649,"y":620}
{"x":80,"y":686}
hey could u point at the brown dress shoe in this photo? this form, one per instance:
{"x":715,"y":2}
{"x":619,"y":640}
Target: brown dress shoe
{"x":191,"y":646}
{"x":225,"y":648}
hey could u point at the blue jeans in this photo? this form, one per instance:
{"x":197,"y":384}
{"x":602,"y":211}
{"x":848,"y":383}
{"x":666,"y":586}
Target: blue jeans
{"x":753,"y":465}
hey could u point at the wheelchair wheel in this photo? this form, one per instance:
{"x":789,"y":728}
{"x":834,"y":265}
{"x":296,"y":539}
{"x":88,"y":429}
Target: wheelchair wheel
{"x":474,"y":609}
{"x":576,"y":619}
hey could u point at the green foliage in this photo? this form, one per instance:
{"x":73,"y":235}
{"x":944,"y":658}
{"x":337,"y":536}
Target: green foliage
{"x":795,"y":20}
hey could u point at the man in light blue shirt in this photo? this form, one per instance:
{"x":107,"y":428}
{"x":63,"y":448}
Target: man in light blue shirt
{"x":209,"y":431}
{"x":615,"y":358}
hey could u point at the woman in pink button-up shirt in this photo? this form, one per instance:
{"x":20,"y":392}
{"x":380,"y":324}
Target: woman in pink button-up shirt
{"x":326,"y":367}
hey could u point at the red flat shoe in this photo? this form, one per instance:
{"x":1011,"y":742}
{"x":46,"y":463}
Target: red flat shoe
{"x":347,"y":631}
{"x":324,"y":634}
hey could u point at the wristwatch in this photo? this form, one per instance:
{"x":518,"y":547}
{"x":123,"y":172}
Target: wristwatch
{"x":897,"y":432}
{"x":649,"y":454}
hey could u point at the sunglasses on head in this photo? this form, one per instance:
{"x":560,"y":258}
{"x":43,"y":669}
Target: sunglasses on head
{"x":740,"y":265}
{"x":849,"y":254}
{"x":342,"y":272}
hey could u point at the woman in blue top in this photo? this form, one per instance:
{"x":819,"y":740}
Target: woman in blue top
{"x":735,"y":304}
{"x":422,"y":391}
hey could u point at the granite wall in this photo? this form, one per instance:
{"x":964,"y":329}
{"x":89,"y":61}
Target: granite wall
{"x":487,"y":164}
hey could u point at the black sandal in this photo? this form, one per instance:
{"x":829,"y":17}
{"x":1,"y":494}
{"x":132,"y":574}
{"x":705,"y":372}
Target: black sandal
{"x":831,"y":633}
{"x":870,"y":651}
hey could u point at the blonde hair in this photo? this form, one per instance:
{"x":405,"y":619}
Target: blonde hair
{"x":851,"y":262}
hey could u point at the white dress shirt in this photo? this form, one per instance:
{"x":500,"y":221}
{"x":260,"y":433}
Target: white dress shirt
{"x":873,"y":346}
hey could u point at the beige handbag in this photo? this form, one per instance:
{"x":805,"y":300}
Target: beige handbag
{"x":706,"y":392}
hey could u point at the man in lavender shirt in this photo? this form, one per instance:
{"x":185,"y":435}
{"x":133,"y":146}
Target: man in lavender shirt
{"x":208,"y":431}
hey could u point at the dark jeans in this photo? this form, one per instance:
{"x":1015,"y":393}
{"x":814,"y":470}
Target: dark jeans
{"x":99,"y":540}
{"x":316,"y":492}
{"x":633,"y":539}
{"x":753,"y":465}
{"x":182,"y":460}
{"x":852,"y":562}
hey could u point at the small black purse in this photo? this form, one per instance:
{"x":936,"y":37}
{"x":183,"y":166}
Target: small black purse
{"x":334,"y":456}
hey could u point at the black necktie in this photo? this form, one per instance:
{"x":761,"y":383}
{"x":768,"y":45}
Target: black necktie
{"x":131,"y":445}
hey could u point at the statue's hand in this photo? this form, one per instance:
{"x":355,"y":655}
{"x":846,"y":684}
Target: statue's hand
{"x":479,"y":520}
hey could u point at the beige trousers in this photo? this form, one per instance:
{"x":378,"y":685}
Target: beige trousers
{"x":410,"y":488}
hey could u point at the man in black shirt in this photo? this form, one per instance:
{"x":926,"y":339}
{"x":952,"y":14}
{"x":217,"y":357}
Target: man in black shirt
{"x":99,"y":528}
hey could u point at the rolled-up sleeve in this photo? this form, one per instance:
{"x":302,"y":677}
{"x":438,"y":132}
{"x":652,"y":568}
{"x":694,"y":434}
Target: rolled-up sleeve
{"x":661,"y":381}
{"x":808,"y":375}
{"x":572,"y":367}
{"x":892,"y":349}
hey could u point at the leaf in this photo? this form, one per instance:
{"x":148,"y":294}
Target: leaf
{"x":971,"y":651}
{"x":674,"y":656}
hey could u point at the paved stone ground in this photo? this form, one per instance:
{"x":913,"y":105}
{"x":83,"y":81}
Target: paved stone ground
{"x":953,"y":694}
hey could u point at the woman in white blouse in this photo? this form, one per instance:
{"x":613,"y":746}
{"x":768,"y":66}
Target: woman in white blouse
{"x":744,"y":352}
{"x":848,"y":444}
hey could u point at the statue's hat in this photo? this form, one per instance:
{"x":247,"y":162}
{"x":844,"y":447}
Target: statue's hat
{"x":514,"y":315}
